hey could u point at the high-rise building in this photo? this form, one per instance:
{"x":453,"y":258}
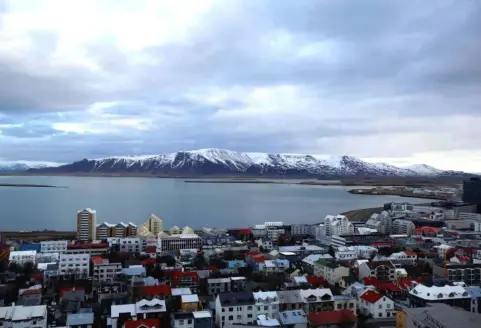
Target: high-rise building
{"x":472,"y":192}
{"x":86,"y":227}
{"x":153,"y":226}
{"x":120,"y":230}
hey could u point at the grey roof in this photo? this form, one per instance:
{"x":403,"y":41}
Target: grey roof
{"x":76,"y":319}
{"x":236,"y":298}
{"x":448,"y":316}
{"x":289,"y":296}
{"x":293,"y":317}
{"x":134,"y":271}
{"x":474,"y":291}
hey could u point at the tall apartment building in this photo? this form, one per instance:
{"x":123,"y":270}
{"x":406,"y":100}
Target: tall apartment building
{"x":153,"y":226}
{"x":338,"y":225}
{"x":86,"y":227}
{"x":106,"y":230}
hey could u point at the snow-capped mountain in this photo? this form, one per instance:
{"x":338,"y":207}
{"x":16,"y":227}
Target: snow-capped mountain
{"x":226,"y":162}
{"x":21,"y":166}
{"x":423,"y":169}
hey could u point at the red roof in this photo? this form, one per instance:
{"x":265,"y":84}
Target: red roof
{"x":69,"y":289}
{"x":163,"y":290}
{"x":97,"y":259}
{"x":371,"y":296}
{"x":317,"y":281}
{"x":177,"y":275}
{"x":37,"y":276}
{"x":331,"y":317}
{"x":151,"y":249}
{"x":145,"y":323}
{"x":407,"y":283}
{"x":80,"y":246}
{"x":32,"y":291}
{"x":259,"y":259}
{"x":148,"y":261}
{"x":252,"y":253}
{"x":383,"y":286}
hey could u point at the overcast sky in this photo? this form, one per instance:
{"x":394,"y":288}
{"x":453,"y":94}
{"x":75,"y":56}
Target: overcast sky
{"x":397,"y":81}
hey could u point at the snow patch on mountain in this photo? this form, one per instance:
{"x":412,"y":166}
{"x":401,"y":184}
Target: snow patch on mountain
{"x":423,"y":169}
{"x":19,"y":166}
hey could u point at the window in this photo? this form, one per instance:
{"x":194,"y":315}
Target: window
{"x":380,"y":306}
{"x":388,"y":306}
{"x":231,"y":317}
{"x":181,"y":322}
{"x":231,"y":309}
{"x":189,"y":322}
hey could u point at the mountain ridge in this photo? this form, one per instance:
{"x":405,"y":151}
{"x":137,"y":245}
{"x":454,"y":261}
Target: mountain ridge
{"x":213,"y":161}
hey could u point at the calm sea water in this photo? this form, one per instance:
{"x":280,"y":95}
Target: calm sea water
{"x":173,"y":200}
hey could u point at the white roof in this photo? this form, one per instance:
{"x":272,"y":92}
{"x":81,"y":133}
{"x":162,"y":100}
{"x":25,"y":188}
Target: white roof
{"x":318,"y":292}
{"x":314,"y":257}
{"x":439,"y":293}
{"x":160,"y":304}
{"x":20,"y":312}
{"x":266,"y":296}
{"x":180,"y":291}
{"x":262,"y":320}
{"x":217,"y":280}
{"x":122,"y":308}
{"x":23,"y":253}
{"x":269,"y":264}
{"x":238,"y":278}
{"x":201,"y":314}
{"x":192,"y":298}
{"x":300,"y":280}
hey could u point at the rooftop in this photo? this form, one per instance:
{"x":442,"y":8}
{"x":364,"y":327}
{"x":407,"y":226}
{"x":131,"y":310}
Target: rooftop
{"x":237,"y":298}
{"x":293,"y":317}
{"x":439,"y":293}
{"x":448,"y":316}
{"x":331,"y":317}
{"x":76,"y":319}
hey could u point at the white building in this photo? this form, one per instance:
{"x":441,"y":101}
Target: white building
{"x":344,"y":253}
{"x":267,"y":303}
{"x":273,"y":266}
{"x":300,"y":229}
{"x":74,"y":264}
{"x":105,"y":271}
{"x":331,"y":271}
{"x":137,"y":311}
{"x":130,"y":245}
{"x":403,"y":227}
{"x":271,"y":230}
{"x":381,"y":222}
{"x":53,"y":246}
{"x":190,"y":319}
{"x":19,"y":316}
{"x":338,"y":225}
{"x":235,"y":308}
{"x":23,"y":257}
{"x":178,"y":242}
{"x":376,"y":305}
{"x":265,"y":244}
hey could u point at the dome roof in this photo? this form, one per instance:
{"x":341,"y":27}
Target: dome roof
{"x":187,"y":231}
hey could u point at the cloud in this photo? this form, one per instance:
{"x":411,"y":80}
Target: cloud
{"x":375,"y":79}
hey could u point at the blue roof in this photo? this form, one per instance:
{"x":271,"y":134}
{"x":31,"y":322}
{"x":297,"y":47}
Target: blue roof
{"x":134,"y":271}
{"x":76,"y":319}
{"x":235,"y":264}
{"x":29,"y":247}
{"x":293,"y":317}
{"x":475,"y":292}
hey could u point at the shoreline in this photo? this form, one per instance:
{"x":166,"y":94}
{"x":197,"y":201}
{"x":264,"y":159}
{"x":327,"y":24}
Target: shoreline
{"x":373,"y":192}
{"x":21,"y":185}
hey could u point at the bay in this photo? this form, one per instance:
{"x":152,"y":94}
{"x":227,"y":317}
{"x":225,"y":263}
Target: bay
{"x":178,"y":203}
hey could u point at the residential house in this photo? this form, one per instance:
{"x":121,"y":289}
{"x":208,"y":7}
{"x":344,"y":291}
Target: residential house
{"x":455,"y":295}
{"x":345,"y":302}
{"x":293,"y":319}
{"x":77,"y":265}
{"x":469,"y":273}
{"x":23,"y":257}
{"x":277,"y":266}
{"x":196,"y":319}
{"x":30,"y":296}
{"x":332,"y":319}
{"x":290,"y":300}
{"x":80,"y":320}
{"x":309,"y":261}
{"x":142,"y":323}
{"x":267,"y":303}
{"x":218,"y":285}
{"x":331,"y":271}
{"x":381,"y":270}
{"x":235,"y":308}
{"x":190,"y":302}
{"x":437,"y":315}
{"x":265,"y":244}
{"x":303,"y":250}
{"x":345,"y":253}
{"x":238,"y":284}
{"x":316,"y":300}
{"x":134,"y":271}
{"x":160,"y":292}
{"x":19,"y":316}
{"x":375,"y":305}
{"x":103,"y":270}
{"x":143,"y":309}
{"x":404,"y":258}
{"x":189,"y":279}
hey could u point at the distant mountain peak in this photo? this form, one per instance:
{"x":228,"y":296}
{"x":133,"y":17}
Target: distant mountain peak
{"x":214,"y":161}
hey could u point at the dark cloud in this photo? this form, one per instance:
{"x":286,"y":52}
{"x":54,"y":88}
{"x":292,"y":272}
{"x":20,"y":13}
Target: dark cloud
{"x":359,"y":69}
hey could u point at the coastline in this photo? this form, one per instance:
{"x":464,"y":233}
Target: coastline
{"x":21,"y":185}
{"x":373,"y":192}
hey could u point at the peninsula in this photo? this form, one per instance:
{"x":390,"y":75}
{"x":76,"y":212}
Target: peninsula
{"x":28,"y":185}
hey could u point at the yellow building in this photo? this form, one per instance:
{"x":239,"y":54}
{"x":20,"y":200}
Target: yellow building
{"x":152,"y":226}
{"x":190,"y":303}
{"x":401,"y":319}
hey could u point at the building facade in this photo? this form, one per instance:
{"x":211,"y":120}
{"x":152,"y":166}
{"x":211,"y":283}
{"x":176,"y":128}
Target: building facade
{"x":86,"y":225}
{"x":77,"y":265}
{"x":53,"y":246}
